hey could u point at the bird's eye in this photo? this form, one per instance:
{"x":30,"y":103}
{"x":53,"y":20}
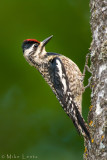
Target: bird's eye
{"x":36,"y":45}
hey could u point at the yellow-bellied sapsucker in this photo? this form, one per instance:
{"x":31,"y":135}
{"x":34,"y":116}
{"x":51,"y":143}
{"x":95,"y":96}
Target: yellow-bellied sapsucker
{"x":63,"y":76}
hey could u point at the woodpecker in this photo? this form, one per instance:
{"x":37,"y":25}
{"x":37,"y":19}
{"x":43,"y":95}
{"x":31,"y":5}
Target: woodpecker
{"x":63,"y":76}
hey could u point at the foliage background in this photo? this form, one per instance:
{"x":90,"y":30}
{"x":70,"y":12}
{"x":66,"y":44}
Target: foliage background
{"x":31,"y":119}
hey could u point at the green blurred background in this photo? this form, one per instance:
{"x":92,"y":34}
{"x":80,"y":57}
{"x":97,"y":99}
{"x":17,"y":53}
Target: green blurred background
{"x":32,"y":121}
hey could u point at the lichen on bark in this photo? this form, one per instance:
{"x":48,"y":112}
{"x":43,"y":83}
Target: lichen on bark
{"x":97,"y":149}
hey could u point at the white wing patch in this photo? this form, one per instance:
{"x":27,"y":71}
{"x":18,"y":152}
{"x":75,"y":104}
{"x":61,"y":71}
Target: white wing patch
{"x":61,"y":75}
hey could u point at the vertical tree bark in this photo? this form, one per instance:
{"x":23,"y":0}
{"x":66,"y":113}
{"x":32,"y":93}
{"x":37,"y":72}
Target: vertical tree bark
{"x":97,"y":149}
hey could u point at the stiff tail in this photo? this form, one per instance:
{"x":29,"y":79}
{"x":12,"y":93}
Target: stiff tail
{"x":78,"y":120}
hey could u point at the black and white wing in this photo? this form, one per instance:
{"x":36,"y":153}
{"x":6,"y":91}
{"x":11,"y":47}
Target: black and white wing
{"x":61,"y":89}
{"x":59,"y":79}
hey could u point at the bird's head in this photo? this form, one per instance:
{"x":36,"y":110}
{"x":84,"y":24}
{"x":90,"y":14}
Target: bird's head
{"x":34,"y":49}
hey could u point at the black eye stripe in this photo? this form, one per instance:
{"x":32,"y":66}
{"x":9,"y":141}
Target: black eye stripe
{"x":28,"y":44}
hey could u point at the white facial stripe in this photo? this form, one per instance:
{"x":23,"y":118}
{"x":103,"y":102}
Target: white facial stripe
{"x":61,"y":75}
{"x":38,"y":52}
{"x":28,"y":51}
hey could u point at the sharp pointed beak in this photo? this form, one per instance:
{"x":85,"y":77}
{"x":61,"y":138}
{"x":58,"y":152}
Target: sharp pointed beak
{"x":44,"y":42}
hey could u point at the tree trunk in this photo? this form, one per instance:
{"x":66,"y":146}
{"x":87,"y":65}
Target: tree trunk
{"x":97,"y":149}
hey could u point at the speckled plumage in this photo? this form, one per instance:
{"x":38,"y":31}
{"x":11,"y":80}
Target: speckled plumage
{"x":65,"y":79}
